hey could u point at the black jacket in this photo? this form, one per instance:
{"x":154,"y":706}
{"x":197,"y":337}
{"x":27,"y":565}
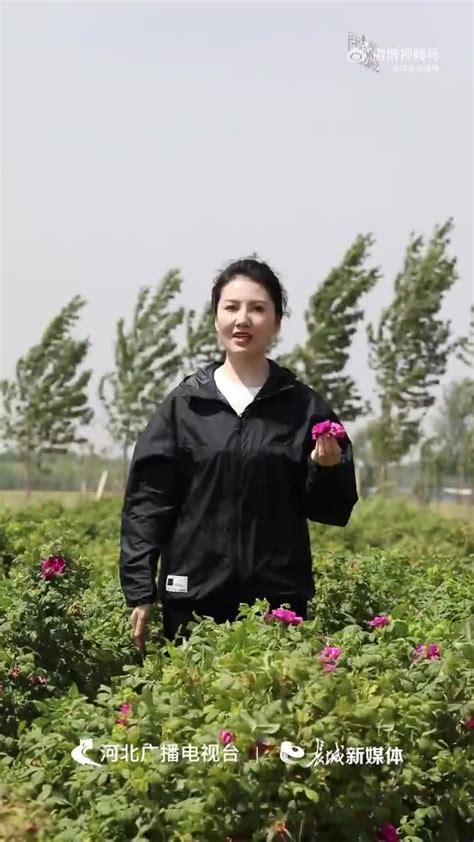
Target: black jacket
{"x":224,"y":499}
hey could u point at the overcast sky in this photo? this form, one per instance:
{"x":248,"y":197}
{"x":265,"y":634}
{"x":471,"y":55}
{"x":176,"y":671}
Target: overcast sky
{"x":138,"y":137}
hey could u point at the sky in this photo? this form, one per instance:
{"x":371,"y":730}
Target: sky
{"x":143,"y":136}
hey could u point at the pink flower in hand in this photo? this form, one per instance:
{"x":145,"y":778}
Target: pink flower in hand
{"x":328,"y":428}
{"x":469,"y":723}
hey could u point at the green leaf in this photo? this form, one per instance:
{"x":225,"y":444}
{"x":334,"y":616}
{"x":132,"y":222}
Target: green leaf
{"x":400,"y":611}
{"x":399,"y":628}
{"x":45,"y":792}
{"x":38,"y":777}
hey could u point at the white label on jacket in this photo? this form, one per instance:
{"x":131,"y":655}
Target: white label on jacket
{"x":177,"y":584}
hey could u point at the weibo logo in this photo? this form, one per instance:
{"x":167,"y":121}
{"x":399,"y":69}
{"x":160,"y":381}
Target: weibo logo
{"x":78,"y":753}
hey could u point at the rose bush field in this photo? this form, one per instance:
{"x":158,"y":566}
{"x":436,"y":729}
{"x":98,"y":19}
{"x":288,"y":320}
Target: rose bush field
{"x":375,"y":688}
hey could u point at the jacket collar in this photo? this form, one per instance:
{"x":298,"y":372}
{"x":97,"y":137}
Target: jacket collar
{"x":202,"y":384}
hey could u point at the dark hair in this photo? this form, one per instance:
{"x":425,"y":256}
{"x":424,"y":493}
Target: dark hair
{"x":255,"y":270}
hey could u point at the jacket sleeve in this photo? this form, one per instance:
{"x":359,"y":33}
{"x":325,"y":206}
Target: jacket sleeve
{"x":149,"y":508}
{"x":330,"y":492}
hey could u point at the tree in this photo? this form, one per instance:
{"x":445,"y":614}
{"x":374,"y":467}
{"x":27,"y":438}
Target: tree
{"x":366,"y":460}
{"x":146,"y":363}
{"x":331,"y":320}
{"x":201,"y":342}
{"x":410,"y":348}
{"x":451,"y":446}
{"x":454,"y":420}
{"x":46,"y":404}
{"x":465,"y":345}
{"x":431,"y":469}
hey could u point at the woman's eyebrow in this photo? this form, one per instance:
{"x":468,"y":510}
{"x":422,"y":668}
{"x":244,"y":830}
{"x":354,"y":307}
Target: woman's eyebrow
{"x":236,"y":301}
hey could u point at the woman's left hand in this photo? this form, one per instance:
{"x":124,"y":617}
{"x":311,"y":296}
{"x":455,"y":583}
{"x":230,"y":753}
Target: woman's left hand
{"x":326,"y":451}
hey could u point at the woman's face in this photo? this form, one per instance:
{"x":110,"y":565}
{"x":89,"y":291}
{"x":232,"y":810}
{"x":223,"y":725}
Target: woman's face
{"x":246,"y":306}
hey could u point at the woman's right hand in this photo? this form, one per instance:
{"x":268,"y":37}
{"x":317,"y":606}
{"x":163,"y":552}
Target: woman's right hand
{"x":139,"y":620}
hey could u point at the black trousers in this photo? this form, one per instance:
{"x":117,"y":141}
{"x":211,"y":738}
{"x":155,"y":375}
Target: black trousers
{"x":176,"y":617}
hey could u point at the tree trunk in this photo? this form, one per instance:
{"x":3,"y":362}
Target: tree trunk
{"x":461,"y":482}
{"x":359,"y":486}
{"x":124,"y":465}
{"x":28,"y":475}
{"x":383,"y":474}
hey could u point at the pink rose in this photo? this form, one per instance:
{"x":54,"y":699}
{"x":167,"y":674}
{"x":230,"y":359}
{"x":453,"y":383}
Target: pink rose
{"x":287,"y":616}
{"x":125,"y":711}
{"x":431,"y":651}
{"x":328,"y":656}
{"x":51,"y":567}
{"x":379,"y":620}
{"x":330,"y":653}
{"x":226,"y":737}
{"x":388,"y":833}
{"x":469,"y":723}
{"x":328,"y":428}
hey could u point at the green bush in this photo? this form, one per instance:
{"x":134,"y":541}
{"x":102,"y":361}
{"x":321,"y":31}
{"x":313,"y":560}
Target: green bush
{"x":335,"y":683}
{"x":264,"y":682}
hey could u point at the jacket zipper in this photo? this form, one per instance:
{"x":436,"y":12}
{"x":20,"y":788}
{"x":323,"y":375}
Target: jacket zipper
{"x":237,"y":540}
{"x":237,"y":531}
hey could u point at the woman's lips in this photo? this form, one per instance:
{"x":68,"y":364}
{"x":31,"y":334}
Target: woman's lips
{"x":242,"y":337}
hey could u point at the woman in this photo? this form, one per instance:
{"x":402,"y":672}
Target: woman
{"x":226,"y":474}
